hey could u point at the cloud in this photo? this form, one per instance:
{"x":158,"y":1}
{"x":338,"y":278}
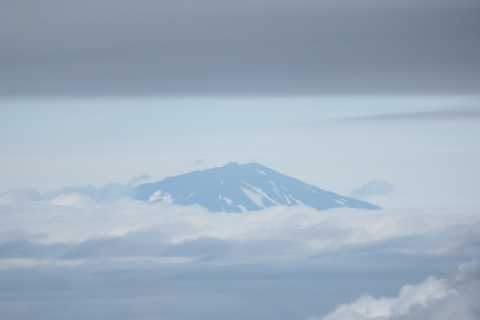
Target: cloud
{"x":449,"y":114}
{"x":75,"y":218}
{"x":125,"y":259}
{"x":96,"y":48}
{"x":443,"y":299}
{"x":367,"y":307}
{"x":468,"y":273}
{"x":108,"y":193}
{"x":137,"y":180}
{"x":20,"y":196}
{"x":376,"y":187}
{"x":199,"y":162}
{"x":31,"y":250}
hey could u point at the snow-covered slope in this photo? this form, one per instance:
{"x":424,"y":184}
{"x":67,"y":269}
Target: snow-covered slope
{"x":239,"y":188}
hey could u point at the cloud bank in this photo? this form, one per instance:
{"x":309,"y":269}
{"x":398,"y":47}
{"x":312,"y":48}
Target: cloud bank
{"x":75,"y":256}
{"x":238,"y":47}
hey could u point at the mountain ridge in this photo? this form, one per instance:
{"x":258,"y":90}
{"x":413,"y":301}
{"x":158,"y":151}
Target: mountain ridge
{"x":241,"y":188}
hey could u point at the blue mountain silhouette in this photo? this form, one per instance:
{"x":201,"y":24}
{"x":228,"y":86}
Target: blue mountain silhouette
{"x":241,"y":188}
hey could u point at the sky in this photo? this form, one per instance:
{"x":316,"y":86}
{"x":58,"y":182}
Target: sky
{"x":213,"y":47}
{"x":425,"y":146}
{"x":377,"y":100}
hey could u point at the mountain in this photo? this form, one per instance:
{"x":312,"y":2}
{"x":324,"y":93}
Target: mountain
{"x":241,"y":188}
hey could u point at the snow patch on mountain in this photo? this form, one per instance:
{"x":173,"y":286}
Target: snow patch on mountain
{"x":159,"y":195}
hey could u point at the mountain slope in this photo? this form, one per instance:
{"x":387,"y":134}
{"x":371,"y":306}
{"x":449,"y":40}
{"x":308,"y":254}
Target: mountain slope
{"x":240,"y":188}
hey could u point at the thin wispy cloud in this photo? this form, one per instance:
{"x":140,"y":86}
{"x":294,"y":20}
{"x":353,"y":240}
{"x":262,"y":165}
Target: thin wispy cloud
{"x":450,"y":114}
{"x":199,"y":162}
{"x":137,"y":180}
{"x":108,"y":193}
{"x":376,"y":187}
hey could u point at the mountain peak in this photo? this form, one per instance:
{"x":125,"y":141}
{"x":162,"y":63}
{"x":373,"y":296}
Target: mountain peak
{"x":240,"y":188}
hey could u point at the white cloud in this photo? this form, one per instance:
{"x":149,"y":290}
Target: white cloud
{"x":367,"y":307}
{"x":139,"y":179}
{"x":75,"y":218}
{"x":376,"y":187}
{"x":108,"y":193}
{"x":73,"y":200}
{"x":439,"y":299}
{"x":262,"y":263}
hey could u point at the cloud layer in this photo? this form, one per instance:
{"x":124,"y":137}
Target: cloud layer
{"x":238,"y":47}
{"x":444,"y":114}
{"x":150,"y":260}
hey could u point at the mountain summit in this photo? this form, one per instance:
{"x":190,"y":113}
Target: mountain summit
{"x":241,"y":188}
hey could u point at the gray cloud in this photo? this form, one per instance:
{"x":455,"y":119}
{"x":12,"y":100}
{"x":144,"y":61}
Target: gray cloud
{"x":127,"y":259}
{"x":20,"y":196}
{"x":375,"y":187}
{"x":199,"y":162}
{"x":448,"y":299}
{"x":238,"y":47}
{"x":31,"y":250}
{"x":460,"y":114}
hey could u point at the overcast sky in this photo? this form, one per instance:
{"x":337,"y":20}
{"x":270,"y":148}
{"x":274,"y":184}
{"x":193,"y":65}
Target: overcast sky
{"x":187,"y":47}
